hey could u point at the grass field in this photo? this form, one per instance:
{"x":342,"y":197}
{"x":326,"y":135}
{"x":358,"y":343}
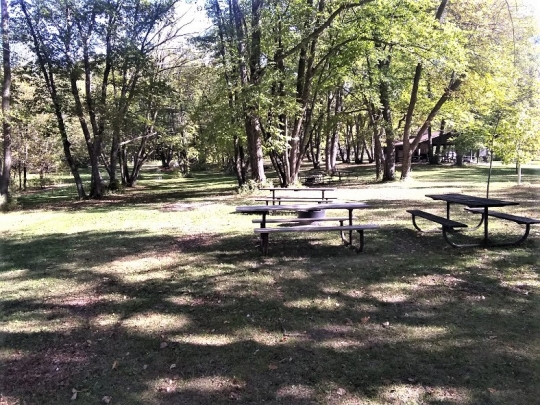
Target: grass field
{"x":158,"y":295}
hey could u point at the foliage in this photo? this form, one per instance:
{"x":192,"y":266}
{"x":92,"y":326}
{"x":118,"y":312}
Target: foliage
{"x":518,"y":137}
{"x":274,"y":80}
{"x":251,"y":186}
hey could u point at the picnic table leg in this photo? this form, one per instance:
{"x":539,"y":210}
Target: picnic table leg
{"x":485,"y":215}
{"x":415,"y":224}
{"x":343,"y":238}
{"x":264,"y":243}
{"x":264,"y":236}
{"x":349,"y":241}
{"x":522,"y":239}
{"x":360,"y":248}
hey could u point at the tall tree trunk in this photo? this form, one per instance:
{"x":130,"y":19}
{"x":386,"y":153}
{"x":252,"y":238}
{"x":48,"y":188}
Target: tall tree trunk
{"x":250,"y":77}
{"x":6,"y":99}
{"x":95,"y":184}
{"x":333,"y":141}
{"x":407,"y":151}
{"x":389,"y":160}
{"x":408,"y":146}
{"x":240,"y":165}
{"x":47,"y":71}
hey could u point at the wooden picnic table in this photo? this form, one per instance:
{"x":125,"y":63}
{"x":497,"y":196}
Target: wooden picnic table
{"x":322,"y":190}
{"x":265,"y":210}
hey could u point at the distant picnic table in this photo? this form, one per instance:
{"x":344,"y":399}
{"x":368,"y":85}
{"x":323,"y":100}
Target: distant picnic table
{"x":300,"y":195}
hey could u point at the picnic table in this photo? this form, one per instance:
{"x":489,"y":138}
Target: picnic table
{"x":297,"y":198}
{"x":299,"y":224}
{"x":475,"y":205}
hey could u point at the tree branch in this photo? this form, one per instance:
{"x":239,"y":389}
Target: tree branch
{"x":319,"y":30}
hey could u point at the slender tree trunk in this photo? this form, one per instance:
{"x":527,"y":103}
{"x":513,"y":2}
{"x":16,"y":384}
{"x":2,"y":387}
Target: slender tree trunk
{"x":407,"y":151}
{"x":6,"y":99}
{"x":430,"y":145}
{"x":48,"y":74}
{"x":454,"y":85}
{"x":249,"y":76}
{"x":333,"y":141}
{"x":93,"y":152}
{"x":316,"y":147}
{"x":389,"y":159}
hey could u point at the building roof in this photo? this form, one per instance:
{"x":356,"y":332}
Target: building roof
{"x":436,"y":138}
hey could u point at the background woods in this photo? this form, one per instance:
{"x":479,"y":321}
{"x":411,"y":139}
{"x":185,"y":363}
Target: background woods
{"x":109,"y":84}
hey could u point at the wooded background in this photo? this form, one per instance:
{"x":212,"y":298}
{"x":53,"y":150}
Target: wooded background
{"x":108,"y":84}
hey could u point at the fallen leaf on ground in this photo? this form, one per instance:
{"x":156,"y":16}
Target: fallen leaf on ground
{"x":106,"y":399}
{"x":163,"y":345}
{"x":341,"y":392}
{"x":172,"y":366}
{"x":115,"y":365}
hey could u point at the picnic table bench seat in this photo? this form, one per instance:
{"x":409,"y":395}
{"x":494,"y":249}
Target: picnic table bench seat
{"x":316,"y":176}
{"x":446,"y":223}
{"x":509,"y":217}
{"x":345,"y":174}
{"x":264,"y":232}
{"x":297,"y":220}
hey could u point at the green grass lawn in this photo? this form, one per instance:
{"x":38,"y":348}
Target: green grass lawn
{"x":158,"y":295}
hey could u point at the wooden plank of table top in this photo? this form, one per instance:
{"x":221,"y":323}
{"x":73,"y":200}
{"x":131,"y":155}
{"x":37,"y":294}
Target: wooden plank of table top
{"x":299,"y":189}
{"x":470,"y":200}
{"x":301,"y":207}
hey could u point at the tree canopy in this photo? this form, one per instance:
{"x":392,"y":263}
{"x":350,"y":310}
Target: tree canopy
{"x":279,"y":80}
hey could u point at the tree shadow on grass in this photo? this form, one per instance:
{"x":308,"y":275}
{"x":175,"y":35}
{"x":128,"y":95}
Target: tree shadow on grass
{"x":219,"y":323}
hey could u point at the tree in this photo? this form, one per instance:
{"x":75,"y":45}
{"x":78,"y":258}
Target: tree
{"x":100,"y":49}
{"x":518,"y":138}
{"x":504,"y":67}
{"x":6,"y":99}
{"x":274,"y":74}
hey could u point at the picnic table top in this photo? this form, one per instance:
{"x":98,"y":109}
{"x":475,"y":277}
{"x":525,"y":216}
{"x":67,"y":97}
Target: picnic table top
{"x":307,"y":199}
{"x":299,"y":188}
{"x":470,"y":200}
{"x":301,"y":207}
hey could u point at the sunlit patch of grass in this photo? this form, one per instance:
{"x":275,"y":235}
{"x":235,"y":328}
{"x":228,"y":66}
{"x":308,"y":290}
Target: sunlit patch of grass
{"x":417,"y":394}
{"x":106,"y":320}
{"x":156,"y":322}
